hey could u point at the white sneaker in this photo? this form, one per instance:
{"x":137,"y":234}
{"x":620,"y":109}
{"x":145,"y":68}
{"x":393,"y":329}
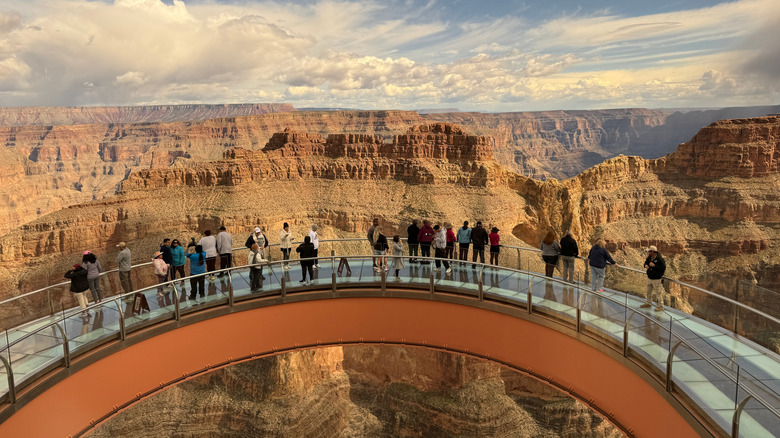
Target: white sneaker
{"x":376,"y":268}
{"x":449,"y":271}
{"x":316,"y":266}
{"x":286,"y":267}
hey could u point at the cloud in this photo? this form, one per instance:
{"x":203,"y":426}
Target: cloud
{"x":130,"y":78}
{"x":9,"y":21}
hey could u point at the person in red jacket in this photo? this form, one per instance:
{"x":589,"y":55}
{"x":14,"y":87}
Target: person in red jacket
{"x":450,"y":241}
{"x":425,"y":237}
{"x":495,"y":247}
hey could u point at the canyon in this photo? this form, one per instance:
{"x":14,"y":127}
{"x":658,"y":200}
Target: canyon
{"x":356,"y":391}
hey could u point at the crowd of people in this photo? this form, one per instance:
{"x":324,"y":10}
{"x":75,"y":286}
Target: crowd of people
{"x":202,"y":255}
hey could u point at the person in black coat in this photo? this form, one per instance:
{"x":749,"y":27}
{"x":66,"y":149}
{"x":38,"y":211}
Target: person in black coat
{"x":569,"y":253}
{"x":167,"y":257}
{"x":655,"y":267}
{"x":79,"y":285}
{"x":411,"y":239}
{"x":306,"y":251}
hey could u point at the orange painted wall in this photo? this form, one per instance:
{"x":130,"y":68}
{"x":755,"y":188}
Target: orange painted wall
{"x":89,"y":394}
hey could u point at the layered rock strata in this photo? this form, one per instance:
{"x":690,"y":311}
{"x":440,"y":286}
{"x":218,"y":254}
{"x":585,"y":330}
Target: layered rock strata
{"x":367,"y":390}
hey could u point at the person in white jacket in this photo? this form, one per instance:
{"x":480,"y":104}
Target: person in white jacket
{"x":440,"y":249}
{"x":316,"y":241}
{"x":285,"y":243}
{"x":225,"y":249}
{"x":161,"y":269}
{"x":209,"y":244}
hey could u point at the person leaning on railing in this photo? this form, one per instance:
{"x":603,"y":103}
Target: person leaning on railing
{"x":124,"y":263}
{"x":550,"y":252}
{"x":306,"y":251}
{"x":598,"y":259}
{"x":79,"y":285}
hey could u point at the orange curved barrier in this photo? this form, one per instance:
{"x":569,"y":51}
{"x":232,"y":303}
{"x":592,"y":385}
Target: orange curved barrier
{"x":88,"y":395}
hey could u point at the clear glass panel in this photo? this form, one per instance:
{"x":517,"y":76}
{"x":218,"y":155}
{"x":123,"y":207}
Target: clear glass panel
{"x":758,"y":329}
{"x":35,"y":351}
{"x":554,"y":295}
{"x":648,"y":338}
{"x":602,"y":317}
{"x":147,"y":305}
{"x":757,"y":420}
{"x":4,"y":374}
{"x":507,"y":284}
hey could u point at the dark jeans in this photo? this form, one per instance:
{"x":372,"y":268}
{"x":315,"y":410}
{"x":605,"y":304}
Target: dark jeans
{"x":256,"y":278}
{"x":286,"y":253}
{"x":174,"y":269}
{"x":211,"y":264}
{"x":316,"y":254}
{"x":225,"y":260}
{"x":126,"y":281}
{"x":479,"y":250}
{"x":450,"y":250}
{"x":464,"y":251}
{"x":425,"y":250}
{"x":198,"y":282}
{"x":307,"y":266}
{"x":442,"y":253}
{"x":413,"y":250}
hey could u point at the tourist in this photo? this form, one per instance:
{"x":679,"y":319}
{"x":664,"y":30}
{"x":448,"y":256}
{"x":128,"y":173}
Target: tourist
{"x":598,"y":259}
{"x":479,"y":238}
{"x":464,"y":239}
{"x":123,"y":262}
{"x":225,"y":249}
{"x":285,"y":244}
{"x":315,"y":240}
{"x":79,"y":285}
{"x":425,"y":237}
{"x":450,"y":241}
{"x":179,"y":260}
{"x":495,"y":247}
{"x":92,"y":265}
{"x":550,"y":252}
{"x":165,"y":249}
{"x":255,"y":259}
{"x":161,"y":269}
{"x":197,"y":267}
{"x":259,"y":238}
{"x":307,"y":253}
{"x":569,"y":253}
{"x":209,"y":245}
{"x":655,"y":266}
{"x":380,"y":249}
{"x":370,"y":237}
{"x":398,"y":250}
{"x":440,"y":247}
{"x":412,"y":232}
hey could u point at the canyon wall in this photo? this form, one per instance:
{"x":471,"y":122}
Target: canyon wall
{"x":356,"y":391}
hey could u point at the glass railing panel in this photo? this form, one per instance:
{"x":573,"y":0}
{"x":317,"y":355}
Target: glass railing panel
{"x":600,"y":316}
{"x":35,"y":352}
{"x":35,"y":307}
{"x":757,"y":420}
{"x":241,"y":282}
{"x":625,"y":280}
{"x":695,"y":302}
{"x":419,"y":273}
{"x":758,"y":329}
{"x":649,"y":339}
{"x":553,"y":295}
{"x":4,"y":373}
{"x":509,"y":284}
{"x":354,"y":270}
{"x":101,"y":323}
{"x":159,"y":307}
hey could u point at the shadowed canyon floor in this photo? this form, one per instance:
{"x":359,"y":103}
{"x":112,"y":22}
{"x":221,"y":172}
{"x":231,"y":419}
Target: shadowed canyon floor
{"x":357,"y":391}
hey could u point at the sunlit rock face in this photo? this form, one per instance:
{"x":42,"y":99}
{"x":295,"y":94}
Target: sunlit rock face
{"x":358,"y":391}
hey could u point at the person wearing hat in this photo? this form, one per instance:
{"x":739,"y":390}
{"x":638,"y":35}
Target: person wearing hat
{"x":79,"y":286}
{"x":655,"y":267}
{"x":258,"y":238}
{"x":123,"y":263}
{"x":161,"y":269}
{"x":315,"y":240}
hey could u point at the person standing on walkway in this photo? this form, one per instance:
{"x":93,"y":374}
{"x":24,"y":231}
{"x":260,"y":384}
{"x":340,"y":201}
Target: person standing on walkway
{"x":440,"y":249}
{"x":315,"y":240}
{"x":598,"y":259}
{"x":380,"y":249}
{"x":464,"y":239}
{"x":124,"y":263}
{"x":79,"y":286}
{"x":479,"y":238}
{"x":412,"y":232}
{"x":398,"y":250}
{"x":495,"y":246}
{"x":209,"y":245}
{"x":179,"y":260}
{"x":225,"y":249}
{"x":92,"y":265}
{"x":450,"y":240}
{"x":161,"y":269}
{"x":655,"y":266}
{"x":569,"y":253}
{"x":306,"y":252}
{"x":259,"y":238}
{"x":197,"y":266}
{"x":371,"y":239}
{"x":285,"y":244}
{"x":165,"y":249}
{"x":425,"y":237}
{"x":255,"y":260}
{"x":550,"y":252}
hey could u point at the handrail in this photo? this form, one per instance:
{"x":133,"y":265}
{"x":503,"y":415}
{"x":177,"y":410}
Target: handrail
{"x":480,"y":297}
{"x":753,"y":310}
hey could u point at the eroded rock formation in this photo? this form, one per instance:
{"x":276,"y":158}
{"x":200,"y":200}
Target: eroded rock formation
{"x":357,"y":391}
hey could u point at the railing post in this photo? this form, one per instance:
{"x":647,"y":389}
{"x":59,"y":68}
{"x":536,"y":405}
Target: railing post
{"x":10,"y":375}
{"x":122,"y":332}
{"x":65,"y":347}
{"x":176,"y":307}
{"x":529,"y":297}
{"x":333,"y":272}
{"x":736,"y":310}
{"x":383,"y":280}
{"x":669,"y":361}
{"x":480,"y":285}
{"x":284,"y":286}
{"x":519,"y":260}
{"x":625,"y":333}
{"x":51,"y":304}
{"x":737,"y":414}
{"x":579,"y":309}
{"x":432,"y":283}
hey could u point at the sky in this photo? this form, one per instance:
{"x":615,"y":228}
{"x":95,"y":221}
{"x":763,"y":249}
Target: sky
{"x":473,"y":55}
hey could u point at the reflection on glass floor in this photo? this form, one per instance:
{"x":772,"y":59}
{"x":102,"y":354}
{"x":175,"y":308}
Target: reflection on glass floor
{"x":707,"y":365}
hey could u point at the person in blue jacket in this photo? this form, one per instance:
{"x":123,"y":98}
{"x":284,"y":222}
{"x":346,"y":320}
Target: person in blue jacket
{"x":197,"y":266}
{"x":598,"y":259}
{"x":464,"y":239}
{"x":178,"y":260}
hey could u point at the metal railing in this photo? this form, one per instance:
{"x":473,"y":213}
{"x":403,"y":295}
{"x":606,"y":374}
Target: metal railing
{"x":588,"y":306}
